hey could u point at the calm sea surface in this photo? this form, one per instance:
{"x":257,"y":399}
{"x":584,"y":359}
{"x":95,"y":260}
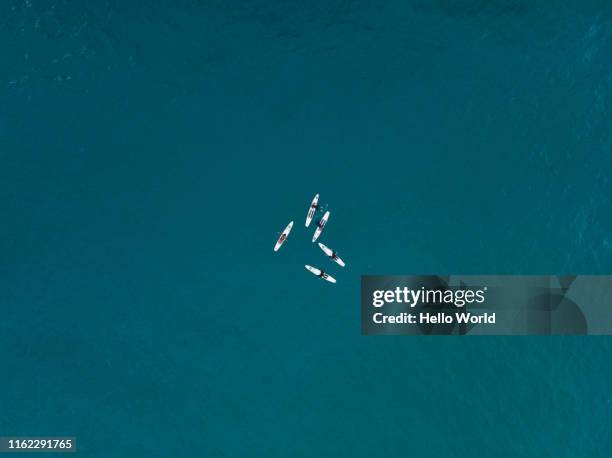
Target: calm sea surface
{"x":150,"y":151}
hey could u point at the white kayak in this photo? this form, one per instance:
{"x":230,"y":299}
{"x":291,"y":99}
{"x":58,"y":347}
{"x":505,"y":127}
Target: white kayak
{"x":283,"y":236}
{"x":312,"y":210}
{"x":320,"y":226}
{"x":332,"y":254}
{"x":319,"y":273}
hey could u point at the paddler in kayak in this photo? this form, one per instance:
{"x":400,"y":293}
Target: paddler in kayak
{"x":333,"y":255}
{"x":319,"y":273}
{"x":320,"y":226}
{"x":283,"y":236}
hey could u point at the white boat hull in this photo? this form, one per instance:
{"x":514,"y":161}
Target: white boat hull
{"x":320,"y":227}
{"x":312,"y":210}
{"x":330,"y":253}
{"x":318,"y":273}
{"x":283,"y":236}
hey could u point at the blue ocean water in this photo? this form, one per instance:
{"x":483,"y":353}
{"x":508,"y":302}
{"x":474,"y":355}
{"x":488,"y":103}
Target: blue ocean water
{"x":150,"y":151}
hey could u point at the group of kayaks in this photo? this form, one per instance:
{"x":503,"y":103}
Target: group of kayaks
{"x":314,"y":206}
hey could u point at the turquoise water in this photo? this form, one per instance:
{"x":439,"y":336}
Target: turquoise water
{"x":151,"y":151}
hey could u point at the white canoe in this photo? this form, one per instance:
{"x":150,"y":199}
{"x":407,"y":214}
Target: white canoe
{"x":312,"y":210}
{"x":283,"y":236}
{"x":319,"y":273}
{"x":333,"y":256}
{"x":320,"y":226}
